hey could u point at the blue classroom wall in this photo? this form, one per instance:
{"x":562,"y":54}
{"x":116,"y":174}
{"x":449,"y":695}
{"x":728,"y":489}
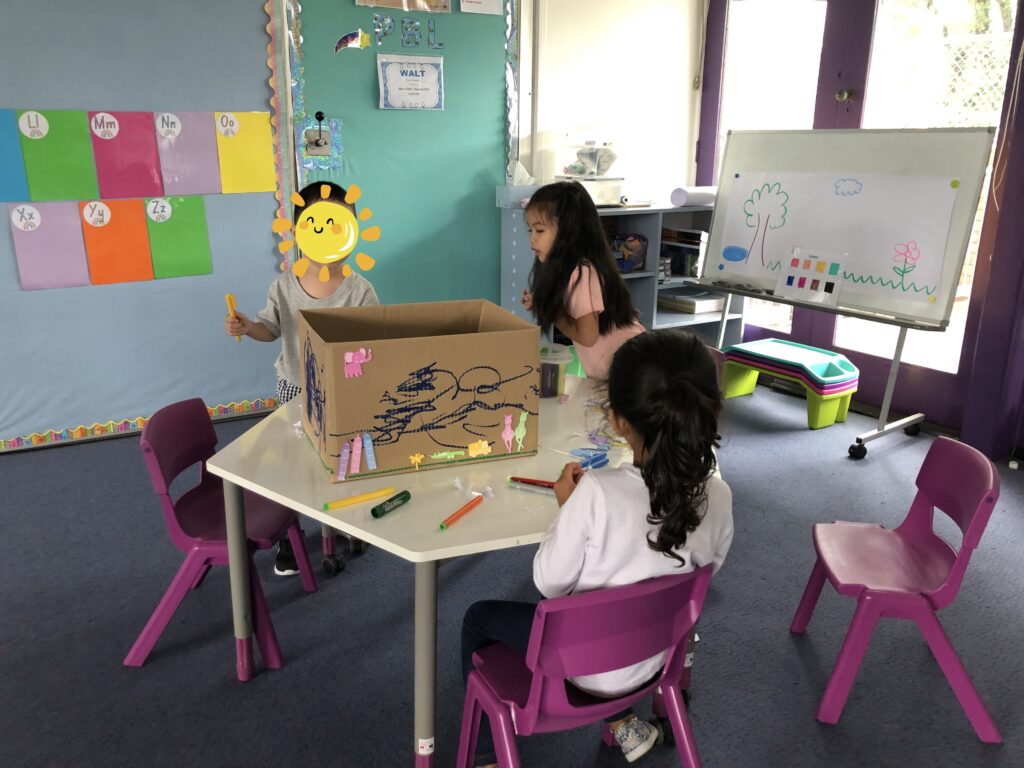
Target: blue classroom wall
{"x":99,"y":353}
{"x":429,"y":177}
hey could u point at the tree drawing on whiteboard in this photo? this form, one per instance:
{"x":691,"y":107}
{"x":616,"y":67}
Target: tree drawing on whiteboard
{"x":765,"y":209}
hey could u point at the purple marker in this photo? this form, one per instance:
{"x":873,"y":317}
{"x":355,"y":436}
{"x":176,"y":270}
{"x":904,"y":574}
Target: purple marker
{"x":343,"y":461}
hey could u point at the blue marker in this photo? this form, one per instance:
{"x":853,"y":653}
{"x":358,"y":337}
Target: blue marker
{"x":596,"y":461}
{"x":371,"y":460}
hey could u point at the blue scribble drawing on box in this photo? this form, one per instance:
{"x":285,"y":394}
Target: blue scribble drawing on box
{"x":314,"y":395}
{"x":453,"y":409}
{"x":848,"y":187}
{"x":734,"y":253}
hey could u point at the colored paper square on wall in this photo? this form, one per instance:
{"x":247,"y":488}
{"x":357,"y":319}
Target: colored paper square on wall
{"x":116,"y":240}
{"x":13,"y":184}
{"x":48,"y":245}
{"x":245,"y":148}
{"x":127,"y":160}
{"x":178,"y":238}
{"x":187,"y":142}
{"x":58,"y":154}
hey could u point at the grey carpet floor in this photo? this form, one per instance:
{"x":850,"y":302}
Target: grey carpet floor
{"x":88,"y":557}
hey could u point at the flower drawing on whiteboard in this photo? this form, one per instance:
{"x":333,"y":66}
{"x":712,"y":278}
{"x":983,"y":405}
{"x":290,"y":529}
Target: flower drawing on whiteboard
{"x":906,"y":256}
{"x":327,"y":229}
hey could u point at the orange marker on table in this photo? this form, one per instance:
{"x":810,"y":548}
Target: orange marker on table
{"x":461,"y":511}
{"x":232,"y":306}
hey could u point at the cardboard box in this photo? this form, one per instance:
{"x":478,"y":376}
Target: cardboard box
{"x":426,"y":385}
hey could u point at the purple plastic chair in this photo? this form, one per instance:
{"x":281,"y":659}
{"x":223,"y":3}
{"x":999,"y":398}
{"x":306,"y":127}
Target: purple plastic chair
{"x":585,"y":634}
{"x":174,"y":439}
{"x":909,"y":572}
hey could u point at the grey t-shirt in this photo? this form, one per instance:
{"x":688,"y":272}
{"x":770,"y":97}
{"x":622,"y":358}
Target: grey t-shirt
{"x":281,"y":315}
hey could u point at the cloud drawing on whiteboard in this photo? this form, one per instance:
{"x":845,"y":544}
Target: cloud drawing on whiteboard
{"x":764,"y":209}
{"x":327,"y":232}
{"x":848,"y":187}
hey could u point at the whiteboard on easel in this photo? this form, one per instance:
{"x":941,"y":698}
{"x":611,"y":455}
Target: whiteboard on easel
{"x":877,"y":222}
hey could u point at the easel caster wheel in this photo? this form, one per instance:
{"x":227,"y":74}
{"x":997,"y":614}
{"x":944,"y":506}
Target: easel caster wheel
{"x":357,"y":546}
{"x":858,"y":451}
{"x":913,"y":430}
{"x":333,"y":565}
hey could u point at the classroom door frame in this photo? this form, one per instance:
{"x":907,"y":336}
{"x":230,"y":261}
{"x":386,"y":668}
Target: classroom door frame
{"x":991,"y":421}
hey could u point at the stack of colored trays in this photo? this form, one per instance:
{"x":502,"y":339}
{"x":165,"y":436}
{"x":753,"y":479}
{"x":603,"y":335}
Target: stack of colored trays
{"x":828,"y":378}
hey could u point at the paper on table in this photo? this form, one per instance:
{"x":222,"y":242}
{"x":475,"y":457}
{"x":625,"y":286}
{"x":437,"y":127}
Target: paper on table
{"x":693,"y":196}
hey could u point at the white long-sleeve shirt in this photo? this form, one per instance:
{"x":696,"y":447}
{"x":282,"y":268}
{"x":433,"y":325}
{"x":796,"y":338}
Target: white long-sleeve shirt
{"x":599,"y":539}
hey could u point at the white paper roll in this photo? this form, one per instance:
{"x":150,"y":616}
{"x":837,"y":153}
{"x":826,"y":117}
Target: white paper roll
{"x":693,"y":196}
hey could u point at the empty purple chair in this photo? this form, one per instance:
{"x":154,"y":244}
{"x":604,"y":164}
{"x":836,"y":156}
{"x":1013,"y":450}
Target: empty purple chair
{"x":177,"y":437}
{"x":909,"y":572}
{"x":578,"y":635}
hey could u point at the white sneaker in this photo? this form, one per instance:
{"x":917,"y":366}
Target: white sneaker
{"x":636,"y":738}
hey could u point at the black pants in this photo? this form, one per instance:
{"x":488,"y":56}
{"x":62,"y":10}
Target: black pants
{"x":498,"y":621}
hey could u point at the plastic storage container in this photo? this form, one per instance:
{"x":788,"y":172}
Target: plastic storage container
{"x":554,"y":359}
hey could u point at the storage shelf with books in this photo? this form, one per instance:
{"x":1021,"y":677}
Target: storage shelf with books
{"x":674,"y":238}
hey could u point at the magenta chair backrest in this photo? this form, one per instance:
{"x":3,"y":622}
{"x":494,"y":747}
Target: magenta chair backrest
{"x":176,"y":437}
{"x":961,"y":482}
{"x":604,"y":630}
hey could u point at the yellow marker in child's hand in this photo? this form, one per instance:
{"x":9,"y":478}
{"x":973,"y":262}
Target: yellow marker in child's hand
{"x":230,"y":299}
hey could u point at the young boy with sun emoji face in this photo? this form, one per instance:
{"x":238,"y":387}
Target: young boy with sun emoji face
{"x":327,"y":231}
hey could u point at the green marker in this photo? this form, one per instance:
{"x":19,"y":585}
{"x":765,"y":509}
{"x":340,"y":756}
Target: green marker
{"x":393,"y":503}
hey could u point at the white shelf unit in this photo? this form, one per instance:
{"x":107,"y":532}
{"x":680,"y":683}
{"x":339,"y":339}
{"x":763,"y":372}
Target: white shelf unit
{"x":517,"y":261}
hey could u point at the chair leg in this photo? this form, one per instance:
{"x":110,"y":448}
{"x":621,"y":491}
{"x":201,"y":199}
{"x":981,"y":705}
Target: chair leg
{"x":955,"y":673}
{"x":262,"y":625}
{"x":301,"y":556}
{"x":850,"y":655}
{"x":200,"y":576}
{"x":471,"y":713}
{"x":179,"y":587}
{"x":504,"y":738}
{"x":680,"y":721}
{"x":809,"y":600}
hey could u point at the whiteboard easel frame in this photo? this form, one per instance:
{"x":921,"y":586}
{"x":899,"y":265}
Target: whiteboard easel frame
{"x":893,"y":158}
{"x":958,"y":153}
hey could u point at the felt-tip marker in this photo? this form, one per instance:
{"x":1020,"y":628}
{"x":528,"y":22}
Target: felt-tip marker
{"x":531,"y":488}
{"x":393,"y":503}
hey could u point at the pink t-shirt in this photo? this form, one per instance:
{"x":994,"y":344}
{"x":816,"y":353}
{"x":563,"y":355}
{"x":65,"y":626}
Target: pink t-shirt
{"x":585,"y":298}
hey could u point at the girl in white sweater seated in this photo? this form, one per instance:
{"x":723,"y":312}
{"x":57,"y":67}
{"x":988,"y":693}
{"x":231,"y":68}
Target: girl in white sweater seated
{"x":667,"y":512}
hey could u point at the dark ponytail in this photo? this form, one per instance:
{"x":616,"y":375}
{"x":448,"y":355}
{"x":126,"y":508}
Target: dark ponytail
{"x":665,"y":385}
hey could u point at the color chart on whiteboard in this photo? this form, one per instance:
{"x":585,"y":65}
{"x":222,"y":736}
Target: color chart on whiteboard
{"x":810,"y":275}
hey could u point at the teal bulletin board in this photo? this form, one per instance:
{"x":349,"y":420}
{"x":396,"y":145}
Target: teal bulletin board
{"x":428,"y":177}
